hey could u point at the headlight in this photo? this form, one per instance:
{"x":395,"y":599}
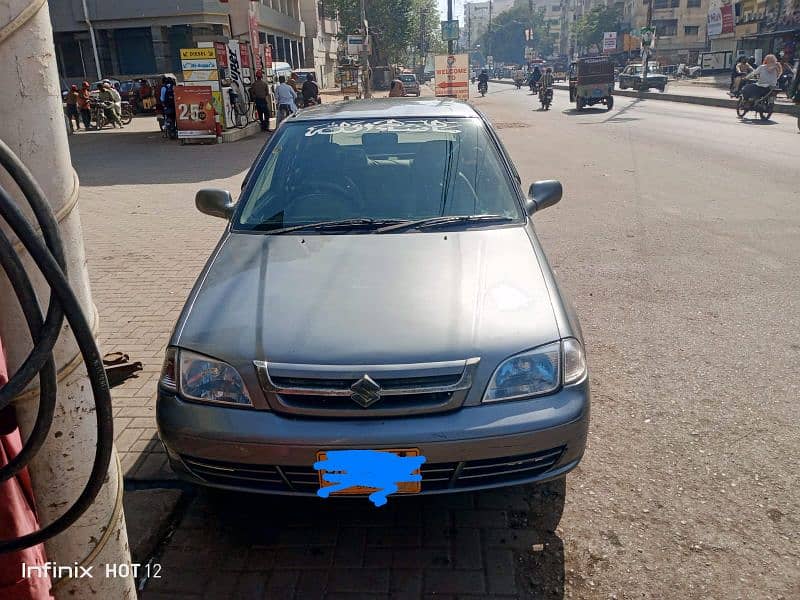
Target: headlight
{"x":537,"y":372}
{"x":528,"y":374}
{"x":574,"y":361}
{"x":208,"y":380}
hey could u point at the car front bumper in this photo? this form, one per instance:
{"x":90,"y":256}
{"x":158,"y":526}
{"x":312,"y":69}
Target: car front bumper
{"x":478,"y":447}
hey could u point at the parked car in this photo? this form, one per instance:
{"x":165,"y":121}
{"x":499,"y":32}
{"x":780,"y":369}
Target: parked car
{"x":631,"y":77}
{"x":378,"y":287}
{"x":410,"y":84}
{"x":302,"y":75}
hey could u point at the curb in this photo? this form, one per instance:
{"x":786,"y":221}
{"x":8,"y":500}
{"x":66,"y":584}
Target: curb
{"x":788,"y":109}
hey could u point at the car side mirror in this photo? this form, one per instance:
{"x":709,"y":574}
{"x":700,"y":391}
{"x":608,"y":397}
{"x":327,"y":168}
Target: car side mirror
{"x":217,"y":203}
{"x":543,"y":194}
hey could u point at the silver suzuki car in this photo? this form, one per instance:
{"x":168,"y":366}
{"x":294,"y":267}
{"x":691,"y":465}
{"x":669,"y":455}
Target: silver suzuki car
{"x":379,"y":287}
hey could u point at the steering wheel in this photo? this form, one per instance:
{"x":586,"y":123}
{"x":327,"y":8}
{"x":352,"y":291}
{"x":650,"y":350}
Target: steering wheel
{"x":334,"y":200}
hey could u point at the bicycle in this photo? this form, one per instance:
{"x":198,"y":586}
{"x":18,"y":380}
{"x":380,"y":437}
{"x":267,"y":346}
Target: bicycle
{"x":239,"y":115}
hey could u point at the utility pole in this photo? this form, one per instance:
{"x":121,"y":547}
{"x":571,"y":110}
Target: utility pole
{"x":32,"y":124}
{"x":646,"y":46}
{"x":489,"y":37}
{"x":364,"y":54}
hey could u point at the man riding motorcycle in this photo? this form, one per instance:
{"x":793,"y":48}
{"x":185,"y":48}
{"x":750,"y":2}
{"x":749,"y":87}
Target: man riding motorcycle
{"x":536,"y":75}
{"x":483,"y":80}
{"x":546,"y":84}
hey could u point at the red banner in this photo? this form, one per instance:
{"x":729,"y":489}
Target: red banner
{"x":244,"y":56}
{"x":267,"y":56}
{"x":728,"y":23}
{"x":222,"y":54}
{"x":194,"y":112}
{"x":255,"y":40}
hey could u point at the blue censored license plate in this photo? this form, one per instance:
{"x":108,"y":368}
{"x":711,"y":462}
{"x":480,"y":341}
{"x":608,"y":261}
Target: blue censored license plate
{"x":597,"y":93}
{"x":361,"y":472}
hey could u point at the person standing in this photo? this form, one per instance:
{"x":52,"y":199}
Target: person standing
{"x":285,"y":97}
{"x":83,"y":104}
{"x":72,"y":108}
{"x":259,"y":91}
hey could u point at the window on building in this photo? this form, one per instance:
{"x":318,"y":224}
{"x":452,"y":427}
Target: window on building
{"x":69,"y":55}
{"x":555,"y":8}
{"x":666,"y":27}
{"x":134,"y":48}
{"x":696,"y":4}
{"x":692,"y":30}
{"x":658,"y":4}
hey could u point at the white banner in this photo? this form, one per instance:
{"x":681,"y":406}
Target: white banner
{"x":452,"y":75}
{"x":609,"y":41}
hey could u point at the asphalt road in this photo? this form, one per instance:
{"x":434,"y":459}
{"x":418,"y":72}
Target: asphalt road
{"x":678,"y":241}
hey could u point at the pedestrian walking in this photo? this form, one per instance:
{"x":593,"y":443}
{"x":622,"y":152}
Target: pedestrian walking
{"x":285,"y":96}
{"x":72,"y":108}
{"x":259,"y":92}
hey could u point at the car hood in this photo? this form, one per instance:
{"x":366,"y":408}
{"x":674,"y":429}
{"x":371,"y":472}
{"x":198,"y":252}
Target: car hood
{"x":370,"y":298}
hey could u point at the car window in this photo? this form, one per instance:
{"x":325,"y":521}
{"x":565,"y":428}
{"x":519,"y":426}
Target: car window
{"x":407,"y":78}
{"x":378,"y":169}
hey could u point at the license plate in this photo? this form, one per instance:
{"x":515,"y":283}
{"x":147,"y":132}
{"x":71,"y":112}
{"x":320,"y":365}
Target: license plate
{"x":597,"y":93}
{"x":403,"y":487}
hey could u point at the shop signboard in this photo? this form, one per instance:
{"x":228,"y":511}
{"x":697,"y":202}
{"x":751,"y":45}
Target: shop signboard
{"x":452,"y":75}
{"x":222,"y":54}
{"x":450,"y":30}
{"x":268,"y":56}
{"x":194,"y":112}
{"x":198,"y":54}
{"x":216,"y":95}
{"x":355,"y":44}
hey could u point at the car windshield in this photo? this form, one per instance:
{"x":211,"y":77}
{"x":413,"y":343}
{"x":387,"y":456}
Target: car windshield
{"x":407,"y":78}
{"x":381,"y":170}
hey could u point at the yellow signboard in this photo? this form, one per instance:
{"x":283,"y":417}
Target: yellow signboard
{"x":190,"y":53}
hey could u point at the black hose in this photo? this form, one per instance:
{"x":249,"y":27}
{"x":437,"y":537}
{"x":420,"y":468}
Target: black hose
{"x":47,"y":253}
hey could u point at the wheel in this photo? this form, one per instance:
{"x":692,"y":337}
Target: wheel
{"x":661,"y":89}
{"x":623,"y":87}
{"x":741,"y":108}
{"x":798,"y":122}
{"x":580,"y":103}
{"x":127,"y":116}
{"x":418,"y":93}
{"x":766,"y":113}
{"x":609,"y":102}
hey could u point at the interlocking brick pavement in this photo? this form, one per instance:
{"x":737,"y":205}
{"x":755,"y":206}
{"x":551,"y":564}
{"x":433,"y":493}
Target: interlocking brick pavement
{"x":145,"y":245}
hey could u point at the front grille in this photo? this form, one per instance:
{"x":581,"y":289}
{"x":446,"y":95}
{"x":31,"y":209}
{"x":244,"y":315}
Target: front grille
{"x":435,"y":476}
{"x":403,"y":390}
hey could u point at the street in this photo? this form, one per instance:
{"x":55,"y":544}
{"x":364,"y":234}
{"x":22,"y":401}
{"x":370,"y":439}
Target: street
{"x":678,"y":242}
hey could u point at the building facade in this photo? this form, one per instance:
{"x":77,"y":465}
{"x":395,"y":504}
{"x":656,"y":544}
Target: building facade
{"x":680,"y":27}
{"x":768,"y":26}
{"x":143,"y":38}
{"x":321,"y":42}
{"x":478,"y":17}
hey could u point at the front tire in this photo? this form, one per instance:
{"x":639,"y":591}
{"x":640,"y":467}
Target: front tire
{"x":609,"y":102}
{"x":741,"y":108}
{"x":580,"y":103}
{"x":767,"y":112}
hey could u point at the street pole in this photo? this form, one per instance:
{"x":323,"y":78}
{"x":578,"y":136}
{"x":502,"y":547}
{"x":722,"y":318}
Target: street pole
{"x":364,"y":54}
{"x":449,"y":18}
{"x":32,"y":124}
{"x":94,"y":41}
{"x":646,"y":49}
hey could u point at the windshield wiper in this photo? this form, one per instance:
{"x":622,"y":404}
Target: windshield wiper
{"x":432,"y":222}
{"x":341,"y":224}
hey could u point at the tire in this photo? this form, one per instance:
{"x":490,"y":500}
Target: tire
{"x":623,"y":87}
{"x":798,"y":122}
{"x":767,"y":113}
{"x":661,"y":89}
{"x":126,"y":117}
{"x":741,"y":108}
{"x":609,"y":102}
{"x":579,"y":103}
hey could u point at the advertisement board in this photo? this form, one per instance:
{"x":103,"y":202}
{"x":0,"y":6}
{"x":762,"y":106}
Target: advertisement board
{"x":268,"y":56}
{"x":450,"y":30}
{"x":198,"y":54}
{"x":452,"y":75}
{"x":194,"y":112}
{"x":355,"y":44}
{"x":715,"y":21}
{"x":609,"y":41}
{"x":222,"y":54}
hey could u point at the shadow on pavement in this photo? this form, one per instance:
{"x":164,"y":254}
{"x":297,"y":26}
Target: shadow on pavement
{"x":139,"y":154}
{"x":497,"y":544}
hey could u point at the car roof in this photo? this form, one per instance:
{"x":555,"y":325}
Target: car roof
{"x":386,"y":108}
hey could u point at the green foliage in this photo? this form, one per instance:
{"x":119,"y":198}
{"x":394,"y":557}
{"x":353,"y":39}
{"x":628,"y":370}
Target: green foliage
{"x":590,"y":27}
{"x":399,"y":28}
{"x":506,"y":41}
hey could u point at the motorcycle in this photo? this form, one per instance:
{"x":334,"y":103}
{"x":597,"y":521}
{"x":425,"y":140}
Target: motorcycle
{"x":518,"y":83}
{"x":98,"y":108}
{"x":764,"y":105}
{"x":546,"y":98}
{"x":483,"y":87}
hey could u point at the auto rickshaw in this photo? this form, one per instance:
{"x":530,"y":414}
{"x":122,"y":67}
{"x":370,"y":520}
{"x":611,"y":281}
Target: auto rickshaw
{"x":591,"y":81}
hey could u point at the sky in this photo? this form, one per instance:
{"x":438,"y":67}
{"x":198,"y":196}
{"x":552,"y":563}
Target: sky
{"x":458,"y":9}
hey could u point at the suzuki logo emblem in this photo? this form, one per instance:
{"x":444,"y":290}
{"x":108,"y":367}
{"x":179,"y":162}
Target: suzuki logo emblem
{"x":366,"y":391}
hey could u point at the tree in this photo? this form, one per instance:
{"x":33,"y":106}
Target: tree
{"x":590,"y":27}
{"x":398,"y":27}
{"x":506,"y":41}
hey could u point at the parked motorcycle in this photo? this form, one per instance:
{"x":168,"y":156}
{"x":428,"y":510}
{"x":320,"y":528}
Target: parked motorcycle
{"x":764,"y":105}
{"x":546,"y":98}
{"x":98,"y":108}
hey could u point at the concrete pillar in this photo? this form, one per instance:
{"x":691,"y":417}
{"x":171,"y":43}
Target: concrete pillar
{"x":32,"y":124}
{"x":161,"y":49}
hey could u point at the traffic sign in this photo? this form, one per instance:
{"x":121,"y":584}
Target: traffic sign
{"x":450,"y":30}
